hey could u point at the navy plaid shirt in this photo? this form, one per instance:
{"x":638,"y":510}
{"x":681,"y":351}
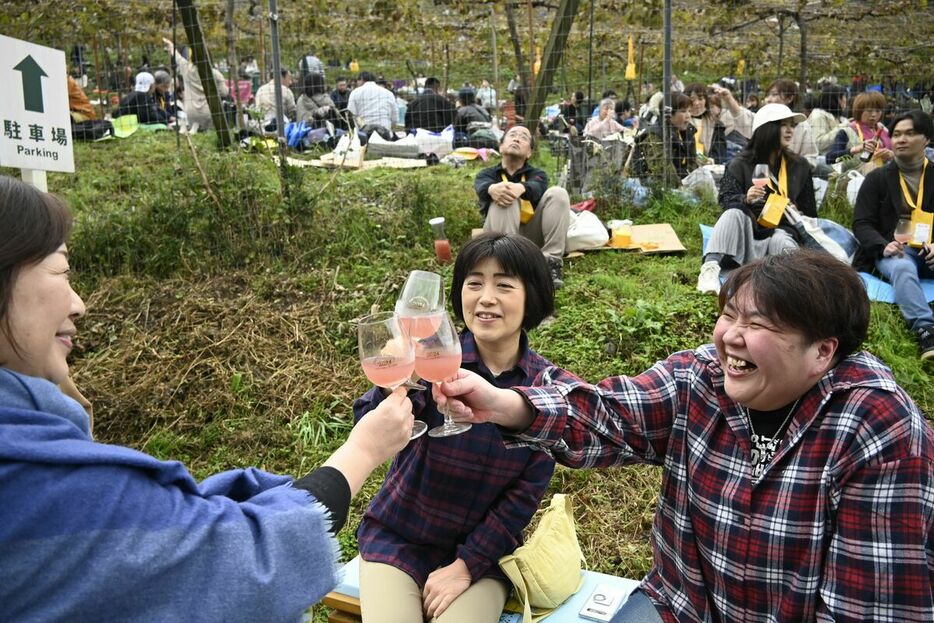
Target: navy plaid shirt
{"x":465,"y":496}
{"x":839,"y":527}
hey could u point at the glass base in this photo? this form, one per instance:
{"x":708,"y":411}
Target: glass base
{"x":418,"y":429}
{"x":449,"y":429}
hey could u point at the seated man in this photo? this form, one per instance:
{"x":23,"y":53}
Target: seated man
{"x":141,"y":101}
{"x":78,"y":103}
{"x":430,"y":110}
{"x":266,"y":99}
{"x":890,"y":193}
{"x":515,"y":199}
{"x":649,"y":161}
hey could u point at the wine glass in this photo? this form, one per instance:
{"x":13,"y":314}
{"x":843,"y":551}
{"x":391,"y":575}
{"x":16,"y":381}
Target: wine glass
{"x":421,"y":303}
{"x":387,"y":355}
{"x":760,"y":175}
{"x":437,"y":357}
{"x":903,"y":230}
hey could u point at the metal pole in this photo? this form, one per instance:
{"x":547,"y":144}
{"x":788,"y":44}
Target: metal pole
{"x":276,"y":71}
{"x":174,"y":65}
{"x":666,"y":78}
{"x":495,"y":53}
{"x":590,"y":61}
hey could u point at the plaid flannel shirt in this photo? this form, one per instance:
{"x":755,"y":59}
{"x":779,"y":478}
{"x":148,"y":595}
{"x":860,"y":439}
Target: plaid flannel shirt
{"x":465,"y":496}
{"x":839,"y":527}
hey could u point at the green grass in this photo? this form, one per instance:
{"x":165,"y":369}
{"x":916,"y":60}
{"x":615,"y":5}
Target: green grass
{"x":223,"y":335}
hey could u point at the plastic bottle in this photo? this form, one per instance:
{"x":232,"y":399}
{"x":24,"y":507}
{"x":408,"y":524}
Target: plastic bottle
{"x":442,"y":246}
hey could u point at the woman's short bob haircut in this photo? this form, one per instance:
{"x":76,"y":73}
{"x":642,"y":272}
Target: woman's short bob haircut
{"x":870,"y":100}
{"x":35,"y":224}
{"x":807,"y":291}
{"x":518,"y":257}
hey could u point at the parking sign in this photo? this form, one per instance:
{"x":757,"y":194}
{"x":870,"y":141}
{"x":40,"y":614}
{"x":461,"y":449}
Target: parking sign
{"x":34,"y":108}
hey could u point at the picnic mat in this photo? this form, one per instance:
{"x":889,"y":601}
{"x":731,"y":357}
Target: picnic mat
{"x":876,"y":289}
{"x":647,"y":239}
{"x":390,"y":163}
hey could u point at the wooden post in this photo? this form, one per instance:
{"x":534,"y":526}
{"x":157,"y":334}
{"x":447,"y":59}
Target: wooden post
{"x":202,"y":60}
{"x":554,"y":51}
{"x":97,"y":73}
{"x":232,"y":59}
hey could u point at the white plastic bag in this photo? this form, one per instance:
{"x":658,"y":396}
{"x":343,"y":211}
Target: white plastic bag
{"x":852,"y":187}
{"x":438,"y":143}
{"x":585,"y":231}
{"x":700,"y":180}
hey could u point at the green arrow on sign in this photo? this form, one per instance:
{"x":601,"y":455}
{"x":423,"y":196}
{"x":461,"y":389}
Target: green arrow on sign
{"x":32,"y":83}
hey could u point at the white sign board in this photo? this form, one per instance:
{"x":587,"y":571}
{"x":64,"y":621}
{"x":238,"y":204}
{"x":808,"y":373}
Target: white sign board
{"x":34,"y":113}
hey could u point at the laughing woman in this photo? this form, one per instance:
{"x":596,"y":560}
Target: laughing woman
{"x":452,"y":506}
{"x":97,"y":532}
{"x":797,"y":476}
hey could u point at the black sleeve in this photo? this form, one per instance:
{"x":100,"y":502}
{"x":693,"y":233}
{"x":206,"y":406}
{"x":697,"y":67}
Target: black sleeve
{"x":329,"y":487}
{"x":732,"y":194}
{"x":867,"y":215}
{"x":805,"y":201}
{"x":485,"y":178}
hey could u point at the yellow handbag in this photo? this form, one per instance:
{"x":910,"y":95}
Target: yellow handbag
{"x":545,"y":571}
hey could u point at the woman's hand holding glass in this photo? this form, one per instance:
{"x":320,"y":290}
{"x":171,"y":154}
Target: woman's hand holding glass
{"x":387,"y":355}
{"x":760,"y":179}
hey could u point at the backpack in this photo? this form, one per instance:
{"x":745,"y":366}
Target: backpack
{"x":92,"y":129}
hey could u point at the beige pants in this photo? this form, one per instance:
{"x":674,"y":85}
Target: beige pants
{"x":548,"y":227}
{"x":390,"y":595}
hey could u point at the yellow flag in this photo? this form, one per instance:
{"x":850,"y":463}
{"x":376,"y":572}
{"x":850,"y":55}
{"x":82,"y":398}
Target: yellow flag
{"x":354,"y":66}
{"x":631,"y":64}
{"x":536,"y":67}
{"x":741,"y":67}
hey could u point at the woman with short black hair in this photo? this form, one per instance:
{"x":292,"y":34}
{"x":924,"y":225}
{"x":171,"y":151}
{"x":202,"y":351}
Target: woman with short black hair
{"x":797,"y":476}
{"x":450,"y":508}
{"x":314,"y":105}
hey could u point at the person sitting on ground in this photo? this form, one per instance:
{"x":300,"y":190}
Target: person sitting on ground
{"x":515,"y":199}
{"x":709,"y":134}
{"x":797,"y":476}
{"x":827,"y":118}
{"x":649,"y":159}
{"x":605,"y":123}
{"x":737,"y":236}
{"x":373,"y":107}
{"x":864,"y":132}
{"x":431,"y":110}
{"x":624,"y":114}
{"x":265,"y":100}
{"x":890,"y":193}
{"x":752,"y":102}
{"x":314,"y":105}
{"x":608,"y":94}
{"x":414,"y":559}
{"x":163,"y":93}
{"x":195,"y":102}
{"x":341,"y":94}
{"x":469,"y":112}
{"x":783,"y":92}
{"x":79,"y":106}
{"x":141,"y":102}
{"x":99,"y":532}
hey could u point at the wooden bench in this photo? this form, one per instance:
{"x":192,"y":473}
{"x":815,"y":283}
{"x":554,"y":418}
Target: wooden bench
{"x":345,"y":598}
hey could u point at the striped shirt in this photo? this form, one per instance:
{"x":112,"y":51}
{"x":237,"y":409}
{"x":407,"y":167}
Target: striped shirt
{"x":839,"y":526}
{"x":465,"y":496}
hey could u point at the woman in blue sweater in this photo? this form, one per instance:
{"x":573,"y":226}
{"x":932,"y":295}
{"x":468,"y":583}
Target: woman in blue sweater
{"x":452,"y":506}
{"x":95,"y":532}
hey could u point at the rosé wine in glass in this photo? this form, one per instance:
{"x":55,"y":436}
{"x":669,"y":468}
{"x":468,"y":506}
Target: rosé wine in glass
{"x":420,"y":326}
{"x":387,"y":355}
{"x":437,"y":366}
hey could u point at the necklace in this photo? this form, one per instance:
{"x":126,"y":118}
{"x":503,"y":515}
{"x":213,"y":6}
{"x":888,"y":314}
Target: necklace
{"x":764,"y":448}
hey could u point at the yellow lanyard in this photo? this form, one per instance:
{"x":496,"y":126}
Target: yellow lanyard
{"x":782,"y":181}
{"x":699,"y":136}
{"x":916,"y":204}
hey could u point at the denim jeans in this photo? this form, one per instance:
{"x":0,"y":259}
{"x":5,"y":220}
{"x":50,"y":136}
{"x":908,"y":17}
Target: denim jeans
{"x":637,"y":609}
{"x":905,"y":274}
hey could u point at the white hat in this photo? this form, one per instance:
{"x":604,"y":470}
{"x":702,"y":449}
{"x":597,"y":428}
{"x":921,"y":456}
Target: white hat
{"x":775,"y":112}
{"x":144,"y":81}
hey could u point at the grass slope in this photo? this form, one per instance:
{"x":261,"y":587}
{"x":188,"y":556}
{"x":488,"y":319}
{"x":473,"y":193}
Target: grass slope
{"x":222,"y":334}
